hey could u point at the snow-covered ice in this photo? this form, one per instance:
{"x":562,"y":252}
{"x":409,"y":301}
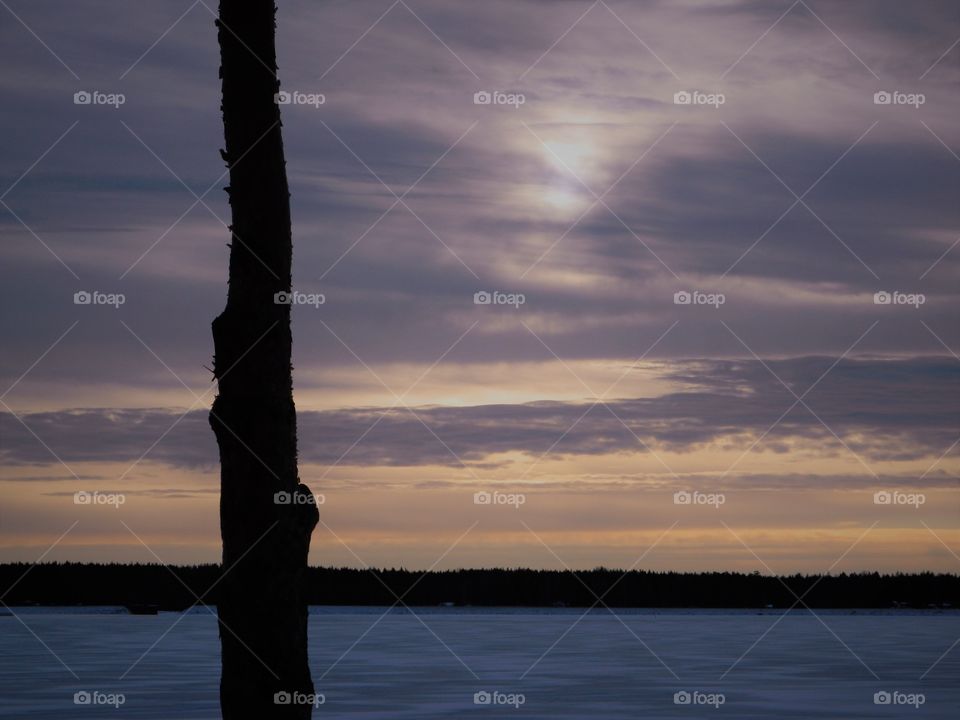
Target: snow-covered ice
{"x":560,"y":663}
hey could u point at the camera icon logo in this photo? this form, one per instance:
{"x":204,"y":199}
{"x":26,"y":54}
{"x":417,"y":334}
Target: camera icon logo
{"x":282,"y":298}
{"x":482,"y":297}
{"x":282,"y":98}
{"x":82,"y":698}
{"x":482,"y":97}
{"x":482,"y":698}
{"x":882,"y":298}
{"x":282,"y":498}
{"x":282,"y":698}
{"x":682,"y":497}
{"x":883,"y":497}
{"x":882,"y":698}
{"x":82,"y":298}
{"x":82,"y":98}
{"x":682,"y":98}
{"x":682,"y":698}
{"x":882,"y":98}
{"x":482,"y":498}
{"x":82,"y":497}
{"x":682,"y":297}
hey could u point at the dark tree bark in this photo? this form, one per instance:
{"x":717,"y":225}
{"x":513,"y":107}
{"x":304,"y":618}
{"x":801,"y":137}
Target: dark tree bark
{"x":262,"y":610}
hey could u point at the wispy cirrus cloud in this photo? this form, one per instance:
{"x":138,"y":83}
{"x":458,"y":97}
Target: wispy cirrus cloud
{"x":883,"y":409}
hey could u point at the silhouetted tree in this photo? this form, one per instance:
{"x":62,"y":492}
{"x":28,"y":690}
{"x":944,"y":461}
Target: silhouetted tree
{"x":262,"y":610}
{"x":177,"y":587}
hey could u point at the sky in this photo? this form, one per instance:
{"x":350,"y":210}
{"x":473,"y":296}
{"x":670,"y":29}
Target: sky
{"x":719,"y":240}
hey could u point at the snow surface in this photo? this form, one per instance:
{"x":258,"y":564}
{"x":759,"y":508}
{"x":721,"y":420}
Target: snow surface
{"x":369,"y":663}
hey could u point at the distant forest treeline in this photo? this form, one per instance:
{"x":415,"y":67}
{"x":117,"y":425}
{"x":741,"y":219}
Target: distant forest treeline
{"x":170,"y":587}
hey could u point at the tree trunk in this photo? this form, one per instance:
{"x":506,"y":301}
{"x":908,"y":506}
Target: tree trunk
{"x":261,"y":606}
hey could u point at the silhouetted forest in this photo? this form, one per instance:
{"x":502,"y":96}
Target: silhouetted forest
{"x":170,"y":587}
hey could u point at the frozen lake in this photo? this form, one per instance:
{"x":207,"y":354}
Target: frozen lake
{"x":368,"y":664}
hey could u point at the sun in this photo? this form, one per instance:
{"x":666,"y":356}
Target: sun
{"x":570,"y":168}
{"x":561,"y":198}
{"x":570,"y":157}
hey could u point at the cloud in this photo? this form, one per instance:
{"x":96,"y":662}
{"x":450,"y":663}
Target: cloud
{"x":693,"y":209}
{"x":884,"y":409}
